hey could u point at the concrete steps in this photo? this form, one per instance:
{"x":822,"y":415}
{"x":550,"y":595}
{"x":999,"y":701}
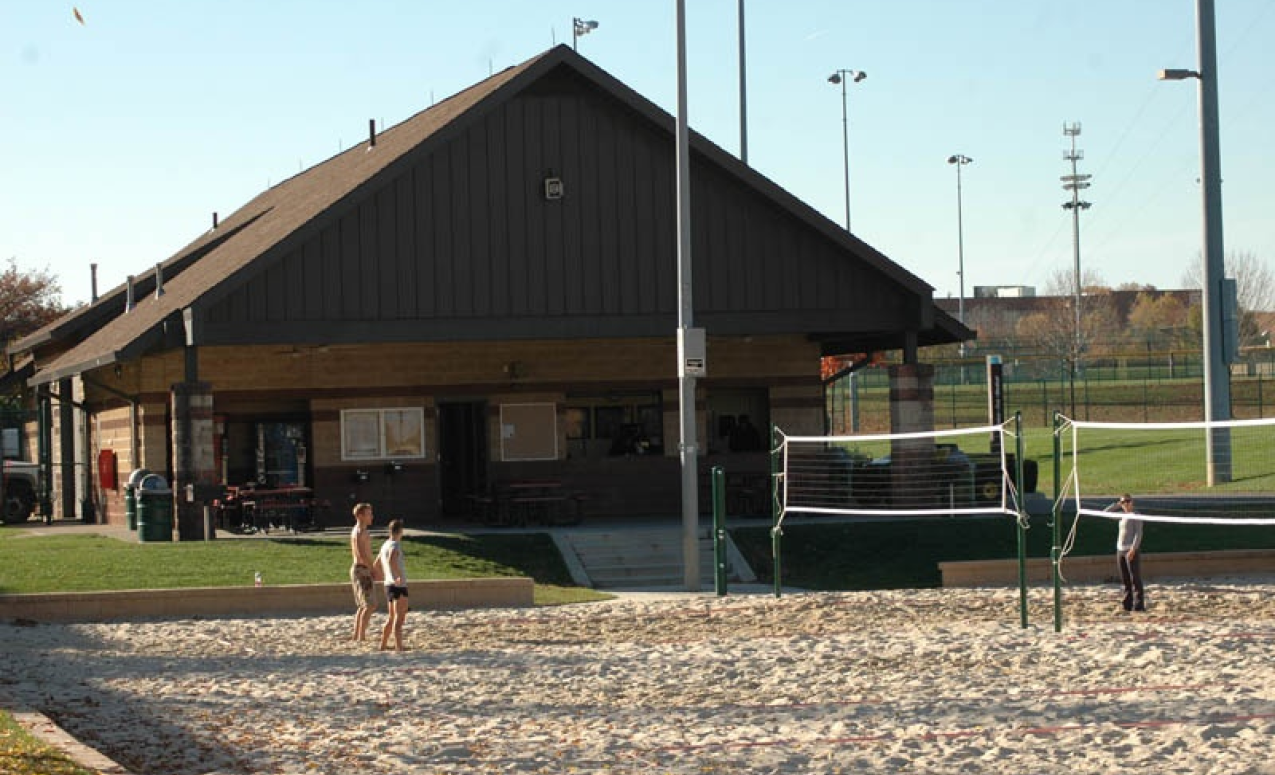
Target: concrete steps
{"x":644,"y":558}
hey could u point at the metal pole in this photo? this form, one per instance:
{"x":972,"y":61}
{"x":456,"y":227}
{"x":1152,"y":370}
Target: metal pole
{"x":743,"y":90}
{"x":1055,"y":553}
{"x":1217,"y":384}
{"x":719,"y":530}
{"x":960,"y":248}
{"x":845,"y":148}
{"x":775,"y":531}
{"x":1022,"y":517}
{"x":686,"y":382}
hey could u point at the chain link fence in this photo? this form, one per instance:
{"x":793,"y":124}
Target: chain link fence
{"x":1131,"y":387}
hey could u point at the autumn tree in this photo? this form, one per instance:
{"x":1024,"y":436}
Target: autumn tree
{"x":1053,"y":328}
{"x":1161,"y":320}
{"x":28,"y":300}
{"x":1254,"y":288}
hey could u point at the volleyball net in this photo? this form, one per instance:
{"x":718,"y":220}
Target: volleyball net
{"x":933,"y":473}
{"x":1165,"y":466}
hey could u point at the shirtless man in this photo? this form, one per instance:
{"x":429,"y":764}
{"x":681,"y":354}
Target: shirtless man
{"x":363,"y":571}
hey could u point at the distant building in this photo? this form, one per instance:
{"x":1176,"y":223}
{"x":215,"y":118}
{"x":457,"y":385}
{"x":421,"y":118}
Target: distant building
{"x":1004,"y":291}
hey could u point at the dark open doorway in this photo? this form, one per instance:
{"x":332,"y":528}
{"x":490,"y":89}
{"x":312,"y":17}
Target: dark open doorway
{"x":462,"y":454}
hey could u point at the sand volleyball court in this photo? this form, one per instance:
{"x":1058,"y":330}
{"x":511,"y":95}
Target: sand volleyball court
{"x":936,"y":681}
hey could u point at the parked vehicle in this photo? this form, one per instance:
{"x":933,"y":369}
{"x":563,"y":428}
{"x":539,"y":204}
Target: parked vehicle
{"x":20,"y":480}
{"x":953,"y":476}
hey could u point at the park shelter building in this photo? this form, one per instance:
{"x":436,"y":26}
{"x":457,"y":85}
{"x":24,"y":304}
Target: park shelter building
{"x":484,"y":292}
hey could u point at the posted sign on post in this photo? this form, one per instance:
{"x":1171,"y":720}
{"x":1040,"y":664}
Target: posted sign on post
{"x":995,"y":398}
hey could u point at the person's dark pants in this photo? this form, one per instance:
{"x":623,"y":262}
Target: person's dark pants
{"x":1131,"y":577}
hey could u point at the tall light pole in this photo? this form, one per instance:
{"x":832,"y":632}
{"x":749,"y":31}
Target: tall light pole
{"x":1074,"y":183}
{"x":1217,"y":377}
{"x":960,"y":160}
{"x":691,"y":342}
{"x":743,"y":90}
{"x":841,"y":77}
{"x":579,"y":28}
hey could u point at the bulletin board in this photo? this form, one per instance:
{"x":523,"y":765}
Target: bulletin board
{"x":528,"y":432}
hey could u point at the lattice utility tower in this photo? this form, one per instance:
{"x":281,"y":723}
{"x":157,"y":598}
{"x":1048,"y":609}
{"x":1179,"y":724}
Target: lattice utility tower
{"x":1074,"y":183}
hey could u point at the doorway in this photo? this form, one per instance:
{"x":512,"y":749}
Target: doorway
{"x":462,"y":454}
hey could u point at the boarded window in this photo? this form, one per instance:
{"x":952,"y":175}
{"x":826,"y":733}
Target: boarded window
{"x":528,"y":432}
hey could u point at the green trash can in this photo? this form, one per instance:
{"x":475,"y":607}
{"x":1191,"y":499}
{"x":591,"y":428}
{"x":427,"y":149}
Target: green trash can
{"x":130,"y":496}
{"x":154,"y":510}
{"x":130,"y":507}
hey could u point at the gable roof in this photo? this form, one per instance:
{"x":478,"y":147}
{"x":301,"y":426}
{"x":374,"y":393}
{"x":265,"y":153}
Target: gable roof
{"x":225,"y":257}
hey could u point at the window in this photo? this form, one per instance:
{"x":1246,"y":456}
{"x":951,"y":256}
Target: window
{"x":369,"y":434}
{"x":615,"y":424}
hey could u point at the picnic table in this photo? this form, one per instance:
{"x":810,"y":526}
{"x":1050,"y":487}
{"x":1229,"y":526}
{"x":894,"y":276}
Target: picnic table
{"x":253,"y":509}
{"x":525,"y":501}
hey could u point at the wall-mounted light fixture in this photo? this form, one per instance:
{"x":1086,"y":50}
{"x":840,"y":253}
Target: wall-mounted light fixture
{"x":553,"y":187}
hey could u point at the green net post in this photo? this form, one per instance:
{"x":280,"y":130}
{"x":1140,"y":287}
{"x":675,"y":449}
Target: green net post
{"x":1022,"y":519}
{"x":775,"y":531}
{"x":719,"y":530}
{"x":1055,"y":553}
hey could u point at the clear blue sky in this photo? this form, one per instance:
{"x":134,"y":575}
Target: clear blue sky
{"x":121,"y":136}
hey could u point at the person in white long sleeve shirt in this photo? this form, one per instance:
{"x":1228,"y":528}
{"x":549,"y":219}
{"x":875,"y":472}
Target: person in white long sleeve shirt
{"x":1129,"y":557}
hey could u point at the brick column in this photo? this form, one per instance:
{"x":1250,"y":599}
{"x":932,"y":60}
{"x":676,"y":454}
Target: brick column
{"x":911,"y":410}
{"x":194,"y":462}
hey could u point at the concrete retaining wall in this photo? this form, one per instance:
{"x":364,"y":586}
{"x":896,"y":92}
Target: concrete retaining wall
{"x":991,"y":573}
{"x":283,"y":600}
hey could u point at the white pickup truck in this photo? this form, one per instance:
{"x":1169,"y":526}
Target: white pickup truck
{"x":20,"y":480}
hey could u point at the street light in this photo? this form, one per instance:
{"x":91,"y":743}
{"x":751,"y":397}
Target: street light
{"x":581,"y":27}
{"x":960,"y":160}
{"x":1217,"y":385}
{"x":840,"y":77}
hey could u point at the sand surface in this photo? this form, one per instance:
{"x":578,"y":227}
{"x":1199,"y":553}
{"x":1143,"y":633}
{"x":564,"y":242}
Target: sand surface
{"x":941,"y":681}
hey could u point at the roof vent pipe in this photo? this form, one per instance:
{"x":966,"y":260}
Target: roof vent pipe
{"x":92,"y":283}
{"x":128,"y":299}
{"x":214,"y":219}
{"x":371,"y":133}
{"x":159,"y":280}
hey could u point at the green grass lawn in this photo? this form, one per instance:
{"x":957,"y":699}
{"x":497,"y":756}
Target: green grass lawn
{"x":21,"y":753}
{"x":89,"y":562}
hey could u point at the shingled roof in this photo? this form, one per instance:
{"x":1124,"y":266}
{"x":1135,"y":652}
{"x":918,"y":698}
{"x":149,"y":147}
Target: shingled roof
{"x":224,"y":257}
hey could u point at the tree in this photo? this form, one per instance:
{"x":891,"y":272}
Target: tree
{"x":28,"y":300}
{"x":1161,"y":320}
{"x":1254,"y":288}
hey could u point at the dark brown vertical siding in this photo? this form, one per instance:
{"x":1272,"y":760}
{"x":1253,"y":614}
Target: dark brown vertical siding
{"x":312,"y":287}
{"x":572,"y":208}
{"x":518,"y":181}
{"x":330,"y":247}
{"x":497,"y":221}
{"x":460,"y":290}
{"x":586,"y":191}
{"x":441,"y":198}
{"x":553,"y":268}
{"x":463,"y":231}
{"x":612,"y":169}
{"x":664,"y":201}
{"x":532,"y":298}
{"x":351,"y":267}
{"x":426,"y":247}
{"x":645,"y":223}
{"x":478,"y":210}
{"x":387,"y":262}
{"x":405,"y":239}
{"x":369,"y":261}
